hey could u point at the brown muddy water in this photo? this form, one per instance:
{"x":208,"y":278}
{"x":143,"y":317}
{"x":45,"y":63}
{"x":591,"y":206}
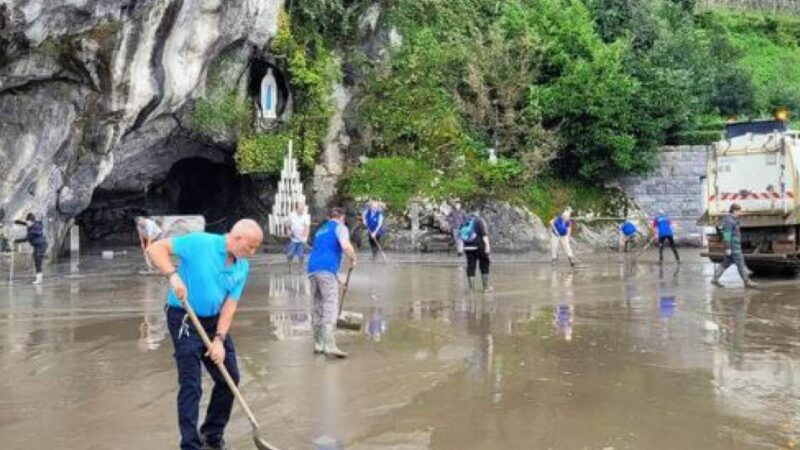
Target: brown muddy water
{"x":611,"y":356}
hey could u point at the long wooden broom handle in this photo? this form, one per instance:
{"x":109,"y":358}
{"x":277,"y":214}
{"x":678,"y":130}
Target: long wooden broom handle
{"x":344,"y":289}
{"x":221,"y":365}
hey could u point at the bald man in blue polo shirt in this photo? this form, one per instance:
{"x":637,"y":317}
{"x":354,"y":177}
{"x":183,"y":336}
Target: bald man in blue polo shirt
{"x":211,"y":277}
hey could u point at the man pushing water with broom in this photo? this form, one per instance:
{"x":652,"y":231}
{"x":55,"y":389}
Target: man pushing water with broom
{"x":330,"y":241}
{"x":204,"y":293}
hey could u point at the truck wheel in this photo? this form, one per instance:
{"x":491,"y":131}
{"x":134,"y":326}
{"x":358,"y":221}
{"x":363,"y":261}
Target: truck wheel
{"x":772,"y":272}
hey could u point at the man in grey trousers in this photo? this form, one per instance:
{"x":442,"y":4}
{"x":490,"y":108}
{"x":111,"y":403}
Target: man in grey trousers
{"x":330,"y":241}
{"x":732,"y":237}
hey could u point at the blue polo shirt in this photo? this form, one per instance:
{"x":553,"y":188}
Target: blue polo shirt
{"x":209,"y":282}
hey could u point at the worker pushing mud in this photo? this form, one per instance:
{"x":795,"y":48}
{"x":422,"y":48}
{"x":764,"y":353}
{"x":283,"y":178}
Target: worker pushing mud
{"x":330,"y":241}
{"x":210,"y":277}
{"x":732,"y":237}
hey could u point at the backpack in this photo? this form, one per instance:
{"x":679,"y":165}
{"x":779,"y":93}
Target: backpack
{"x":467,"y":231}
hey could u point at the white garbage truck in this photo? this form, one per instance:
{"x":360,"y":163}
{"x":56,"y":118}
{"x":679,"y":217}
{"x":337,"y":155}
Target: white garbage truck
{"x":756,"y":165}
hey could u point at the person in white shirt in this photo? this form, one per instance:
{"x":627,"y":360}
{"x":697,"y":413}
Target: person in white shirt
{"x":299,"y":226}
{"x":149,"y":232}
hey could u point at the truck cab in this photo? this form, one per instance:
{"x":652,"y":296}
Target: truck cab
{"x":755,"y":164}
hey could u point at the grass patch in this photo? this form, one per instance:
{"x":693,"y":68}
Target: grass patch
{"x":770,"y":46}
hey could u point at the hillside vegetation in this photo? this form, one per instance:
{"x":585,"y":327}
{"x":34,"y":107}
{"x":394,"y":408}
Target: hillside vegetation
{"x":570,"y":94}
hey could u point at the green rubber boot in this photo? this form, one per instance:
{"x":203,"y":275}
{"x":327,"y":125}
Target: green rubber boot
{"x":330,"y":348}
{"x":319,"y":343}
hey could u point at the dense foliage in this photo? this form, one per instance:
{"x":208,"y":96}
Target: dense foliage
{"x":769,"y":47}
{"x":581,"y":91}
{"x":306,"y":55}
{"x":564,"y":92}
{"x":312,"y":71}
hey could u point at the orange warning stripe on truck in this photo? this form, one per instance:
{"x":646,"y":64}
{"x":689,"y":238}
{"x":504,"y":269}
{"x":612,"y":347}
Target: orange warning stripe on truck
{"x":750,"y":196}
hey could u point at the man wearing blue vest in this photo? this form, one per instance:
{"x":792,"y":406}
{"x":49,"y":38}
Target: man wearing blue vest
{"x":373,"y":222}
{"x":331,"y":239}
{"x":662,"y":226}
{"x":210,"y":277}
{"x":561,"y":231}
{"x":627,"y":234}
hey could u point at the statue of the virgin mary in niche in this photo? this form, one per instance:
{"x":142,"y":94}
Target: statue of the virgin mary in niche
{"x":268,"y":100}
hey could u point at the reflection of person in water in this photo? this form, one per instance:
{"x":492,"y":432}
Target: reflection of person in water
{"x":666,"y":307}
{"x":734,"y":331}
{"x":632,"y":293}
{"x":667,"y":304}
{"x":479,"y":323}
{"x":564,"y":309}
{"x":564,"y":317}
{"x":376,"y":327}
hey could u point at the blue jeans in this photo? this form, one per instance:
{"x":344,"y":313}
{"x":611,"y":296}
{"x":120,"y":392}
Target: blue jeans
{"x":297,"y":249}
{"x":189,"y":356}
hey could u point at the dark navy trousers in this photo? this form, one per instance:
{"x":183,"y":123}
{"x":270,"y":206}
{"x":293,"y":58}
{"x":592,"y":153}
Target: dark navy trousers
{"x":189,"y":357}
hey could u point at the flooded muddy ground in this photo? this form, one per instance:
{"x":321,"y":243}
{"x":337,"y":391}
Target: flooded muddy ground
{"x":610,"y":356}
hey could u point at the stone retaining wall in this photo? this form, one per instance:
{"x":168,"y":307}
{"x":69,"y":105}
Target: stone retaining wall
{"x":675,"y":185}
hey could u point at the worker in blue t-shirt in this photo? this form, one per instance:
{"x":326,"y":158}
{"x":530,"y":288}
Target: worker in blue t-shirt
{"x":663,"y":229}
{"x":210,"y":278}
{"x":627,"y":235}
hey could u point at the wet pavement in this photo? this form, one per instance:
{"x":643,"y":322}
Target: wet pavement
{"x":610,"y":356}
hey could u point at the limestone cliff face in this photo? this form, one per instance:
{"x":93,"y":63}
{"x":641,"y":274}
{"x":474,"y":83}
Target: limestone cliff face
{"x":97,"y":91}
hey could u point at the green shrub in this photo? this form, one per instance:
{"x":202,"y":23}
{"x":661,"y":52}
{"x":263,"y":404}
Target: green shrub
{"x":220,"y":113}
{"x":769,"y":46}
{"x":541,"y":200}
{"x":462,"y":185}
{"x":395,"y":180}
{"x":547,"y":197}
{"x":261,"y":153}
{"x":699,"y":137}
{"x":313,"y":70}
{"x":505,"y":172}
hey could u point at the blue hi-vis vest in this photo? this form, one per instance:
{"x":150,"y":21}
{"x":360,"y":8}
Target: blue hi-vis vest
{"x":326,"y":255}
{"x":628,"y":229}
{"x":562,"y":226}
{"x":373,"y":219}
{"x":662,"y":223}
